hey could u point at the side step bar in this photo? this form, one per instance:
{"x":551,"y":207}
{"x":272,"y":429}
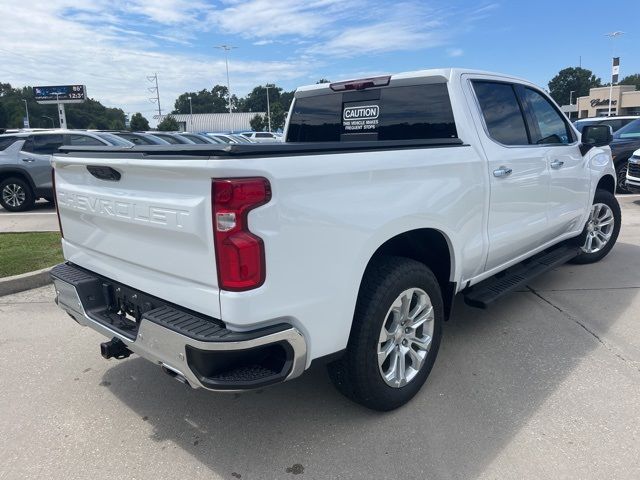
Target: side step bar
{"x":489,"y":290}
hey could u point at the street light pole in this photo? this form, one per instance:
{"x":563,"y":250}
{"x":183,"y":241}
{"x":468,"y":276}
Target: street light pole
{"x":26,"y":108}
{"x":226,"y":49}
{"x":190,"y":114}
{"x":571,"y":92}
{"x":612,"y":36}
{"x":268,"y":108}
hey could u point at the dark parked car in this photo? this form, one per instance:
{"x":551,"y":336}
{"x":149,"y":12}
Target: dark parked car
{"x":625,"y":142}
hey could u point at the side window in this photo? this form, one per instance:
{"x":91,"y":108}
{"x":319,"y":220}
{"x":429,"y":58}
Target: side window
{"x":46,"y":144}
{"x":264,"y":135}
{"x":6,"y":142}
{"x":28,"y":144}
{"x":502,"y":113}
{"x":84,"y":141}
{"x":549,"y":125}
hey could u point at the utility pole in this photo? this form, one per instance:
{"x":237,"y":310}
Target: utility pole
{"x":268,"y":107}
{"x":190,"y":114}
{"x":226,"y":49}
{"x":26,"y":108}
{"x":62,"y":117}
{"x":156,"y":98}
{"x":614,"y":67}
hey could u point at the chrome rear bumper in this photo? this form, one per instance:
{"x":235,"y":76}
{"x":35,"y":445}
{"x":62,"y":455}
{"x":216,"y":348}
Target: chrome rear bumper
{"x":184,"y":356}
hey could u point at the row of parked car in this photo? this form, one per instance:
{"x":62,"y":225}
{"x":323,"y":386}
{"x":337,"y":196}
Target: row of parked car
{"x":626,"y":140}
{"x":25,"y":155}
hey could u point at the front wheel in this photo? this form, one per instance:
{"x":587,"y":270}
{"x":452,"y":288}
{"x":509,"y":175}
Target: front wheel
{"x":395,"y":335}
{"x":621,"y":174}
{"x":602,"y":229}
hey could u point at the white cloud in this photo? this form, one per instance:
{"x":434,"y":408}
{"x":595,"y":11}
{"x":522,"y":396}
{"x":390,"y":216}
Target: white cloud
{"x":113,"y":45}
{"x":379,"y":38}
{"x":268,"y":18}
{"x":455,"y":52}
{"x":113,"y":63}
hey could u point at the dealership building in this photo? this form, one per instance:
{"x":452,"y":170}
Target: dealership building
{"x":625,"y":100}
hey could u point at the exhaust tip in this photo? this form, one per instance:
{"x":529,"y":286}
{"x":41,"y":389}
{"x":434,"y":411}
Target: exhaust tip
{"x":175,"y":374}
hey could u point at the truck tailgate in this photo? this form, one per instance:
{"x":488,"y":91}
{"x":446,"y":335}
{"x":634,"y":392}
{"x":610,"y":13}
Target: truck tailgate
{"x":150,"y":228}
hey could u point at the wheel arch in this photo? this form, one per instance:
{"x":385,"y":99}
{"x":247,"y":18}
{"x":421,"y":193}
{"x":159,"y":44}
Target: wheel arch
{"x":608,"y":183}
{"x":429,"y":246}
{"x":17,"y":172}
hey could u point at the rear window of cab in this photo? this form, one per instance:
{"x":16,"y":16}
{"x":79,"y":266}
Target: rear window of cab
{"x":416,"y":112}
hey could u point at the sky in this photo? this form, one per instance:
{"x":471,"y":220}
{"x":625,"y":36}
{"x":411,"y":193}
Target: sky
{"x":113,"y":46}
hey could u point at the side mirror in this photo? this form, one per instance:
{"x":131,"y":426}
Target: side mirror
{"x":595,"y":136}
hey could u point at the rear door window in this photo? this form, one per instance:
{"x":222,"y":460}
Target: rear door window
{"x":6,"y":142}
{"x":417,"y":112}
{"x":47,"y":144}
{"x":502,"y":113}
{"x":84,"y":141}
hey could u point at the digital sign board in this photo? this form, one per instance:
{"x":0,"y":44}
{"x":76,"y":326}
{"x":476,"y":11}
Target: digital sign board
{"x":60,"y":94}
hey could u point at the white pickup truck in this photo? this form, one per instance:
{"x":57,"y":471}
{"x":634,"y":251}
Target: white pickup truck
{"x":235,"y":267}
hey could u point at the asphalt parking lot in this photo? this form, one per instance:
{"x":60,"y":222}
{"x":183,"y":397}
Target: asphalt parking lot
{"x":546,"y":384}
{"x":41,"y":219}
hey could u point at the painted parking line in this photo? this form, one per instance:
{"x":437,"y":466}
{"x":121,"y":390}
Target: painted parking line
{"x":25,"y":214}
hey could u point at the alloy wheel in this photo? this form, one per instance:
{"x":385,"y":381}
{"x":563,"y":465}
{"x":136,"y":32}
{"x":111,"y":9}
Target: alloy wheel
{"x":405,"y":337}
{"x":13,"y":195}
{"x":599,"y":228}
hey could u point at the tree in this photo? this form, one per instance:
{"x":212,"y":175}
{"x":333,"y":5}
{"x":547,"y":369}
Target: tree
{"x":323,"y":80}
{"x":168,"y":124}
{"x":205,"y":101}
{"x":90,"y":114}
{"x":631,"y":80}
{"x":258,"y":123}
{"x":138,"y":122}
{"x":278,"y":117}
{"x":580,"y":80}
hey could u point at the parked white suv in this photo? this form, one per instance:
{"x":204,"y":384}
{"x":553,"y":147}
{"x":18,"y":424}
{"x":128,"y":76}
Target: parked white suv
{"x":237,"y":266}
{"x":262,"y":137}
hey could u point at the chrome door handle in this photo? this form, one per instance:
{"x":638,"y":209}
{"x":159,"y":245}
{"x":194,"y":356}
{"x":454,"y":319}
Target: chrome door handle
{"x":28,"y":160}
{"x":502,"y":172}
{"x":556,"y":164}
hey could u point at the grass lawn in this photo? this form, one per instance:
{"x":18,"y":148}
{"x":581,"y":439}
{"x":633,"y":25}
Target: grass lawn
{"x":25,"y":252}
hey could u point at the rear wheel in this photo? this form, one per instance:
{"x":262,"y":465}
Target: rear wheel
{"x":16,"y":195}
{"x":602,"y":229}
{"x":395,"y":336}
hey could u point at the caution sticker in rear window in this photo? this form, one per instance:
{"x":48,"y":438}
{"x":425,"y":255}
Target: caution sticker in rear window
{"x":360,"y":118}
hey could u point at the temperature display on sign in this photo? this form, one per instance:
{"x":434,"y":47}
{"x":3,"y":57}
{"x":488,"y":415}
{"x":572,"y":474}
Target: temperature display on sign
{"x":60,"y":94}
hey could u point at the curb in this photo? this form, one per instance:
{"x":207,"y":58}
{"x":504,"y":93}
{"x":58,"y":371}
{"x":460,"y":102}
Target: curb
{"x":25,"y":281}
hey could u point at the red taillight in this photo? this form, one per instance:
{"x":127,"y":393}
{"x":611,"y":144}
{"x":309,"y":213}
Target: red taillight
{"x":239,"y":253}
{"x":55,"y":199}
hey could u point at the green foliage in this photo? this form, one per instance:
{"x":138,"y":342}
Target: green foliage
{"x":258,"y":123}
{"x":205,"y":101}
{"x":138,"y":123}
{"x":323,"y":80}
{"x":90,"y":114}
{"x":168,"y":124}
{"x":580,"y":80}
{"x":631,"y":80}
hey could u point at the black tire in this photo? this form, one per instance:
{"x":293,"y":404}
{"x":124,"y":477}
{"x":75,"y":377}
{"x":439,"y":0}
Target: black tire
{"x":23,"y":202}
{"x":621,"y":175}
{"x":605,"y":197}
{"x":357,"y":374}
